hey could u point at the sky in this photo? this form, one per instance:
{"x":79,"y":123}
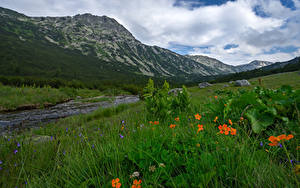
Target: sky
{"x":232,"y":31}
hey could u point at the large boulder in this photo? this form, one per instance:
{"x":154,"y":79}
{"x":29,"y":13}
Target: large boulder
{"x":204,"y":85}
{"x":175,"y":91}
{"x":242,"y":83}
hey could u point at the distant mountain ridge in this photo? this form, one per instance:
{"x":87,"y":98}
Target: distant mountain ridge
{"x":256,"y":64}
{"x":222,"y":68}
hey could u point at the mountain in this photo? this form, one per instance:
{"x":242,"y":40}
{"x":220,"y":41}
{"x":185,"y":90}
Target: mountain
{"x":216,"y":65}
{"x":223,"y":68}
{"x":107,"y":45}
{"x":256,"y":64}
{"x":279,"y":65}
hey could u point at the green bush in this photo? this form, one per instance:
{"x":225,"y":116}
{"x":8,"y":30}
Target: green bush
{"x":160,"y":105}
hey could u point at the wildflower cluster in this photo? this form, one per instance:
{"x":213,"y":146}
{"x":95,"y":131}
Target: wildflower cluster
{"x":224,"y":129}
{"x":275,"y":140}
{"x":116,"y":183}
{"x":154,"y":122}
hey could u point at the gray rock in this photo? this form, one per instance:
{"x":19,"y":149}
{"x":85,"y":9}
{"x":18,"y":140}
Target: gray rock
{"x":175,"y":91}
{"x":242,"y":83}
{"x":204,"y":85}
{"x":225,"y":85}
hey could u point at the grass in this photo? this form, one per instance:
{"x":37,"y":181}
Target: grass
{"x":12,"y":98}
{"x":91,"y":150}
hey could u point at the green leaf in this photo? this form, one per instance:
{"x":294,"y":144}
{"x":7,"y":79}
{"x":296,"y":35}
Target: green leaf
{"x":259,"y":121}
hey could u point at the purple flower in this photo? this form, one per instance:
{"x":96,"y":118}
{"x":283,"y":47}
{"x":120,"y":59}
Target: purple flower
{"x":123,"y":122}
{"x":15,"y":151}
{"x":1,"y":162}
{"x":18,"y":145}
{"x":0,"y":168}
{"x":280,"y":145}
{"x":261,"y":144}
{"x":51,"y":138}
{"x":25,"y":182}
{"x":101,"y":134}
{"x":93,"y":146}
{"x":16,"y":164}
{"x":64,"y":152}
{"x":121,"y":136}
{"x":34,"y":151}
{"x":291,"y":161}
{"x":80,"y":135}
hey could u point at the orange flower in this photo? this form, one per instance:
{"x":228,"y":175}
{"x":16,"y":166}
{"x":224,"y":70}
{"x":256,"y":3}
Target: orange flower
{"x":150,"y":122}
{"x":273,"y":144}
{"x":282,"y":137}
{"x":115,"y":183}
{"x":198,"y":145}
{"x":156,"y":122}
{"x":233,"y":131}
{"x":230,"y":122}
{"x":225,"y":105}
{"x":216,"y":118}
{"x":221,"y":129}
{"x":197,"y":116}
{"x":177,"y":119}
{"x":290,"y":136}
{"x":136,"y":184}
{"x":227,"y":129}
{"x":241,"y":118}
{"x":216,"y":97}
{"x":172,"y":126}
{"x":200,"y":128}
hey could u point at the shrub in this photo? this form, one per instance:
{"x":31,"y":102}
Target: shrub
{"x":160,"y":105}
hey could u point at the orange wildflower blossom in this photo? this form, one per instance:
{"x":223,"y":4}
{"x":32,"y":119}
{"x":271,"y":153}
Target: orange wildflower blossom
{"x":232,"y":131}
{"x":156,"y":122}
{"x":136,"y":184}
{"x":150,"y":122}
{"x":275,"y":140}
{"x":200,"y":128}
{"x":216,"y":118}
{"x":172,"y":126}
{"x":197,"y":116}
{"x":216,"y":97}
{"x":177,"y":119}
{"x":116,"y":183}
{"x":230,"y":122}
{"x":224,"y":129}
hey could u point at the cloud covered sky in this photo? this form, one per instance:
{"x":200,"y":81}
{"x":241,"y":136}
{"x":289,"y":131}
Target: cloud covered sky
{"x":233,"y":31}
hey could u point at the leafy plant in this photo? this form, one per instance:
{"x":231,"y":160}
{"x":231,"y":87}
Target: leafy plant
{"x":160,"y":105}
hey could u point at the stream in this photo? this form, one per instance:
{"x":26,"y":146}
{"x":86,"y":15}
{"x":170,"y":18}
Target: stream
{"x":19,"y":120}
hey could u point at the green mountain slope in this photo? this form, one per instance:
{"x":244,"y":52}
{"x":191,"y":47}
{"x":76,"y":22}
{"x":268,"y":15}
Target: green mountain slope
{"x":102,"y":46}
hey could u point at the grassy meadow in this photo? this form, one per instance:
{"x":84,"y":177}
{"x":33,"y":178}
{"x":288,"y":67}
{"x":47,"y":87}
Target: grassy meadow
{"x":12,"y":98}
{"x":167,"y":141}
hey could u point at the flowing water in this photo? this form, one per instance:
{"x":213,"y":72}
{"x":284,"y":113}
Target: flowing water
{"x":34,"y":118}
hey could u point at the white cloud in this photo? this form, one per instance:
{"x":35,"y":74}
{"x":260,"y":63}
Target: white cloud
{"x":158,"y":22}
